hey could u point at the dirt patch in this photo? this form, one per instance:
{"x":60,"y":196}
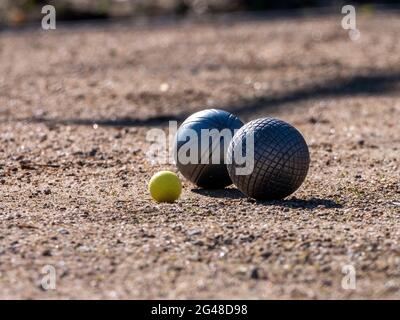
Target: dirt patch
{"x":74,"y":194}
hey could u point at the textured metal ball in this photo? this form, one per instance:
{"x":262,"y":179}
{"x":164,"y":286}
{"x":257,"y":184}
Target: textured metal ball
{"x":209,"y":175}
{"x":281,"y":159}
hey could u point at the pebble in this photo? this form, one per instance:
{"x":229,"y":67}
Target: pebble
{"x":193,"y":232}
{"x":63,"y":231}
{"x":254,"y":273}
{"x":47,"y":253}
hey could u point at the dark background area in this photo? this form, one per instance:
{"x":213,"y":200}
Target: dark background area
{"x":17,"y":12}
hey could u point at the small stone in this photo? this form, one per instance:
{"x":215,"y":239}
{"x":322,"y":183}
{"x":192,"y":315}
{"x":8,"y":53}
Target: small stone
{"x":266,"y":254}
{"x":254,"y":273}
{"x":193,"y":232}
{"x":312,"y":120}
{"x":84,"y":249}
{"x":93,"y":152}
{"x":327,"y":283}
{"x":63,"y":231}
{"x":164,"y":87}
{"x":198,"y":243}
{"x":47,"y":253}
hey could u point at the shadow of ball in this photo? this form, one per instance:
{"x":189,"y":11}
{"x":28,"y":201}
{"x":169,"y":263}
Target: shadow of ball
{"x":278,"y":158}
{"x":200,"y":148}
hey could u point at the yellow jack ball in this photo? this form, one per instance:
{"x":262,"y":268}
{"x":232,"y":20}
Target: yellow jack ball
{"x":165,"y":186}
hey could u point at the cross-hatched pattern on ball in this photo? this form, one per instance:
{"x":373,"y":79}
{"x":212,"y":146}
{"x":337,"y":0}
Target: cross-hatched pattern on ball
{"x":281,"y":159}
{"x":208,"y":175}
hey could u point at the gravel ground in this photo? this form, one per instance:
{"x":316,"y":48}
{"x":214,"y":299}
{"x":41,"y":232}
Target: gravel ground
{"x":77,"y":103}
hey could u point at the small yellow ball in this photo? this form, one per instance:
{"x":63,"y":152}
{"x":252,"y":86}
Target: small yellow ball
{"x":165,"y":186}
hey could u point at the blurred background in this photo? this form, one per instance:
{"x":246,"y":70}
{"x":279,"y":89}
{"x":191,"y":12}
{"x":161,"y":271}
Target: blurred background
{"x":19,"y":12}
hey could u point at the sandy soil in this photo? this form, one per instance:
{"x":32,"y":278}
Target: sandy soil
{"x":74,"y":195}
